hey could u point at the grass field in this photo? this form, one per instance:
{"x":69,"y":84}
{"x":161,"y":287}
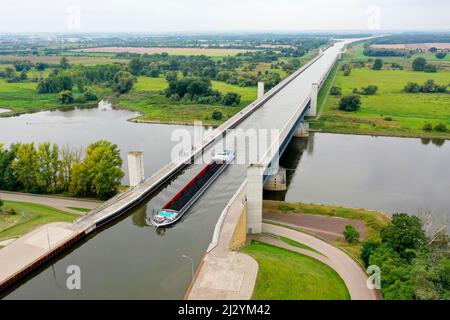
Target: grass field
{"x":374,"y":220}
{"x":390,"y":111}
{"x":148,"y":99}
{"x":286,"y":275}
{"x":29,"y":216}
{"x":22,"y":97}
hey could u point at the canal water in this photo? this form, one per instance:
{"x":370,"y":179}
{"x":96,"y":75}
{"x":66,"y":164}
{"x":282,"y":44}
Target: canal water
{"x":130,"y":259}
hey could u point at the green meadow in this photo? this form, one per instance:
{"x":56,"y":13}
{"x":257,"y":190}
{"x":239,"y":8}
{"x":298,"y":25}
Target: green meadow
{"x":390,"y":111}
{"x":148,"y":98}
{"x":286,"y":275}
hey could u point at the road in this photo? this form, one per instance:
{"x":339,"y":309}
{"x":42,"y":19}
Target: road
{"x":60,"y":203}
{"x":350,"y":271}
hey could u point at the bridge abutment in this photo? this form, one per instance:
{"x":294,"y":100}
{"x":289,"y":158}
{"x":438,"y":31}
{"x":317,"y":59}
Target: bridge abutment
{"x":136,"y":168}
{"x":254,"y":198}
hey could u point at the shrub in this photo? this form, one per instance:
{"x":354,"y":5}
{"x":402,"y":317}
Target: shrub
{"x":368,"y":248}
{"x":66,"y":97}
{"x":370,"y":90}
{"x":441,"y":55}
{"x":412,"y":87}
{"x":388,"y":119}
{"x":427,"y":127}
{"x":336,"y":91}
{"x":351,"y":234}
{"x":378,"y":64}
{"x":285,"y":208}
{"x":9,"y":211}
{"x":90,"y":96}
{"x":231,"y":99}
{"x":350,"y":103}
{"x":430,"y":68}
{"x":440,"y":127}
{"x":216,"y":115}
{"x":347,"y":72}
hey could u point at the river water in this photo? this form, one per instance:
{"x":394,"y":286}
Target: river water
{"x":131,"y":260}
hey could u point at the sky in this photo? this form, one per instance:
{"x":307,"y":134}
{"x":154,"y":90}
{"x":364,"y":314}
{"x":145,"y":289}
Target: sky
{"x":157,"y":16}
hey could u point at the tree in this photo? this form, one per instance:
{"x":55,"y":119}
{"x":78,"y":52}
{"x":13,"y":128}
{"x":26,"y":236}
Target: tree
{"x":100,"y":173}
{"x":350,"y":103}
{"x":123,"y":82}
{"x":430,"y":68}
{"x":336,"y":91}
{"x":370,"y":90}
{"x":412,"y":87}
{"x":64,"y":63}
{"x":66,"y":97}
{"x":368,"y":248}
{"x":136,"y":66}
{"x":419,"y":64}
{"x":441,"y":55}
{"x":25,"y":166}
{"x":429,"y":86}
{"x":48,"y":167}
{"x":231,"y":99}
{"x":440,"y":127}
{"x":378,"y":64}
{"x":90,"y":96}
{"x":171,"y":76}
{"x":8,"y":176}
{"x":404,"y":235}
{"x":351,"y":234}
{"x":217,"y":115}
{"x":55,"y":83}
{"x":41,"y":66}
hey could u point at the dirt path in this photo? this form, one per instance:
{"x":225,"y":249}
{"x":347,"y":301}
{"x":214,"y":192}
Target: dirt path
{"x":329,"y":228}
{"x":60,"y":203}
{"x":349,"y":270}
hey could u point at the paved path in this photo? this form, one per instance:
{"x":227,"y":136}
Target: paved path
{"x":225,"y":275}
{"x":350,"y":271}
{"x":60,"y":203}
{"x":24,"y":250}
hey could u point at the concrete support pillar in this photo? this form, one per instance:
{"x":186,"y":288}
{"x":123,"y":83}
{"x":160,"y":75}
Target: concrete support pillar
{"x":254,"y":198}
{"x":277,"y":182}
{"x":136,"y":168}
{"x":312,"y":112}
{"x":302,"y":130}
{"x":260,"y":90}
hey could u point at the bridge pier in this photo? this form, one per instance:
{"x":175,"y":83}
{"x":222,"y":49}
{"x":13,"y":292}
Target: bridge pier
{"x":260,"y":90}
{"x":254,"y":198}
{"x":302,"y":130}
{"x":276,"y":182}
{"x":312,"y":112}
{"x":136,"y":168}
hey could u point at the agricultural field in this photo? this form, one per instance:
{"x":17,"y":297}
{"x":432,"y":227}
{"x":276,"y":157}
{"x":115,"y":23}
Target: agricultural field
{"x":87,"y":60}
{"x":286,"y":275}
{"x":211,"y":52}
{"x":28,"y":216}
{"x":390,"y":111}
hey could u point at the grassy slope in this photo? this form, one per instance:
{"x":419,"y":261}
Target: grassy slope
{"x":154,"y":106}
{"x":374,"y":220}
{"x":285,"y":275}
{"x":408,"y":111}
{"x":29,"y":216}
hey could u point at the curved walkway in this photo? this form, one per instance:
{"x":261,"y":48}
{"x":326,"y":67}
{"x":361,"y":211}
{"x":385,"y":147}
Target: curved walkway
{"x":351,"y":273}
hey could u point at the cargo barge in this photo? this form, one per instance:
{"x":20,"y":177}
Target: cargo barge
{"x":183,"y":200}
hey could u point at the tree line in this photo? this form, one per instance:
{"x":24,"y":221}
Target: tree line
{"x":48,"y":169}
{"x":414,"y":266}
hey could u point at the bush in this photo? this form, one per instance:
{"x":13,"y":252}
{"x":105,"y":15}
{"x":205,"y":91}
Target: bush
{"x":388,"y":119}
{"x":369,"y":90}
{"x":441,"y":55}
{"x":347,"y":72}
{"x":217,"y":115}
{"x":90,"y":96}
{"x":440,"y":127}
{"x":350,"y":103}
{"x":412,"y":87}
{"x":430,"y":68}
{"x":231,"y":99}
{"x":378,"y":64}
{"x":336,"y":91}
{"x":427,"y":127}
{"x":66,"y":97}
{"x":9,"y":211}
{"x":351,"y":234}
{"x":419,"y":64}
